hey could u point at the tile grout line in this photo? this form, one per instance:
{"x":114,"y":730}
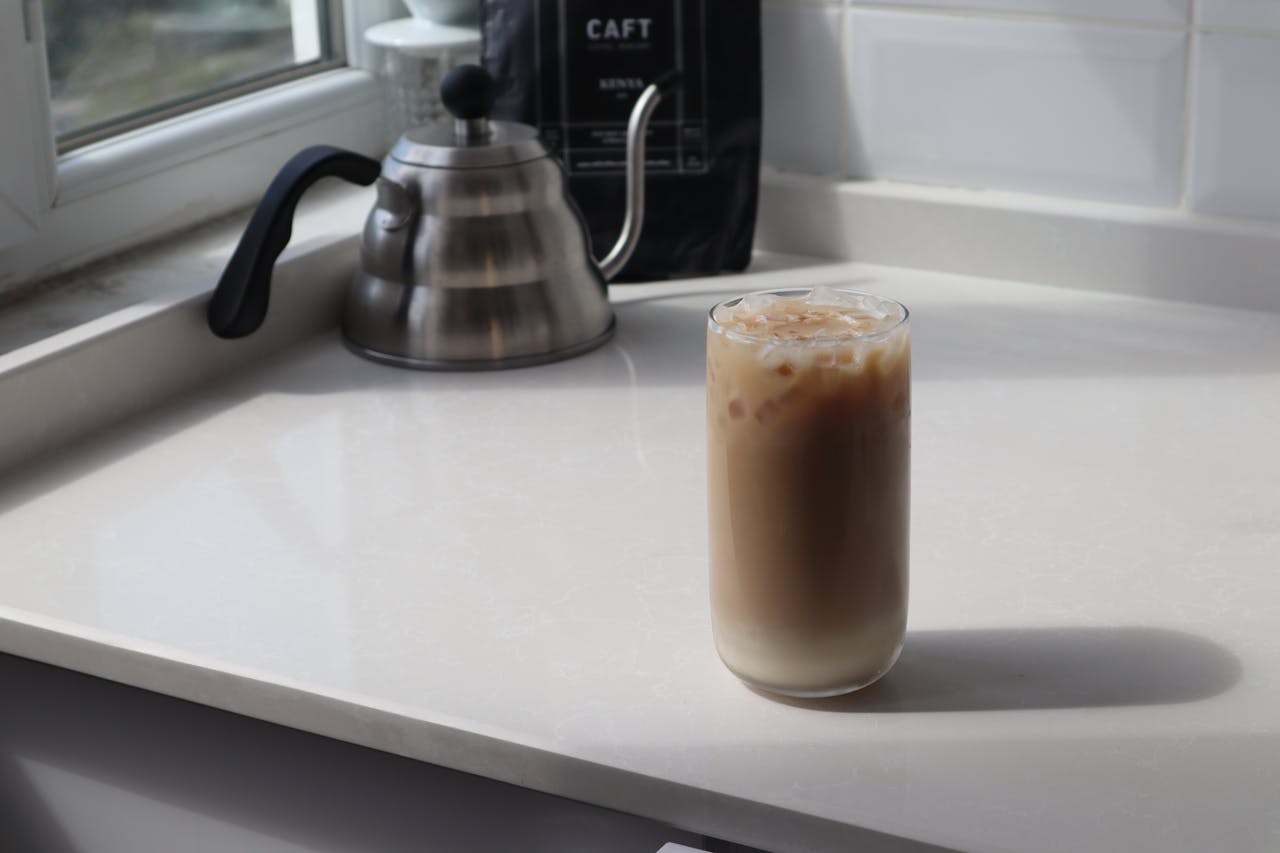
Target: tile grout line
{"x":846,"y":81}
{"x":1024,"y":17}
{"x":1188,"y":108}
{"x":1251,"y":32}
{"x":923,"y":8}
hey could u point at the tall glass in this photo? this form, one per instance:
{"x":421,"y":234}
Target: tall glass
{"x":808,"y":470}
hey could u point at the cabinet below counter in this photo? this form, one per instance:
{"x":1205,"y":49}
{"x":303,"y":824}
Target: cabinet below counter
{"x":504,"y":574}
{"x":97,"y":767}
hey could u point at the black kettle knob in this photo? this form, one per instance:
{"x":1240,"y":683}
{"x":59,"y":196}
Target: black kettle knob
{"x":468,"y":92}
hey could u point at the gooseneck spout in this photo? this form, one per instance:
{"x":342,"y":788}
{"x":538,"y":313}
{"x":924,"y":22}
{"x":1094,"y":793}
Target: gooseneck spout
{"x":636,"y":127}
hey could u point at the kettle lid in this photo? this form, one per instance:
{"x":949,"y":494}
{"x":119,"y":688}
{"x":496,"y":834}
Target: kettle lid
{"x":470,"y":140}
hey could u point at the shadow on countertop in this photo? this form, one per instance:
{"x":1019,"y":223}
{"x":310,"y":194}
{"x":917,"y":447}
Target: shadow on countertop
{"x":1006,"y":669}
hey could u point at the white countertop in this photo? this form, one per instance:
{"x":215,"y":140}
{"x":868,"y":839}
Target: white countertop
{"x":505,"y":573}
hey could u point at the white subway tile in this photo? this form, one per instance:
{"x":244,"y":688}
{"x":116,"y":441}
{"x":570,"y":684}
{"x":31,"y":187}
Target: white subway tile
{"x":1153,"y":11}
{"x":805,"y":103}
{"x":1235,"y":166}
{"x":1042,"y":107}
{"x":1248,"y":14}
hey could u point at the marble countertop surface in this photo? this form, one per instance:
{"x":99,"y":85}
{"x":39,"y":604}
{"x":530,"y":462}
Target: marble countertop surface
{"x":505,"y":573}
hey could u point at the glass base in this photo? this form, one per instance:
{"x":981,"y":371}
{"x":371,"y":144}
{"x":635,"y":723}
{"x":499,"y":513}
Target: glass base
{"x":823,"y":692}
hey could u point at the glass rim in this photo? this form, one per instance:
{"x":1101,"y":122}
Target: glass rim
{"x":714,"y":325}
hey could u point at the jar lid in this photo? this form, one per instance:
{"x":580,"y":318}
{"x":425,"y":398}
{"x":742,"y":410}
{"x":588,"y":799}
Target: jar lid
{"x":414,"y":37}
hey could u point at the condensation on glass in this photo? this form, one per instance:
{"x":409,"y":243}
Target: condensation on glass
{"x":119,"y":64}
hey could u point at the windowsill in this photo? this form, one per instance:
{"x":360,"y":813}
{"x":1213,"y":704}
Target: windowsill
{"x":167,"y":270}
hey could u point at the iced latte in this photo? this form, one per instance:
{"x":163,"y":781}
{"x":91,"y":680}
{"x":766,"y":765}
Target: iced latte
{"x":808,"y":446}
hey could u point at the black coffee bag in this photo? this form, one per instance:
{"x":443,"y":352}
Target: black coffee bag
{"x":574,"y":68}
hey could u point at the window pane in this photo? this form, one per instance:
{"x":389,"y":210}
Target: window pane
{"x":114,"y":64}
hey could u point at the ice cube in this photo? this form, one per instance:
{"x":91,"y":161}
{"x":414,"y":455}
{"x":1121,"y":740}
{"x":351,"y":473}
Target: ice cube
{"x":862,"y":303}
{"x":755,"y":303}
{"x":824,"y":295}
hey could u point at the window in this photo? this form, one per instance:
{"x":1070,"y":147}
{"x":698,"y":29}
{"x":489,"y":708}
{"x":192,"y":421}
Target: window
{"x":119,"y":64}
{"x":126,"y":119}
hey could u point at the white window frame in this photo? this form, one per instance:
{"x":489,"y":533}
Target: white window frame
{"x":61,"y":212}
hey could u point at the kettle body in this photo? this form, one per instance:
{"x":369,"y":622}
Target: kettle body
{"x":474,"y":255}
{"x":480,"y":271}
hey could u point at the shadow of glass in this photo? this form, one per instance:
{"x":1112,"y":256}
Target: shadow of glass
{"x":1003,"y":669}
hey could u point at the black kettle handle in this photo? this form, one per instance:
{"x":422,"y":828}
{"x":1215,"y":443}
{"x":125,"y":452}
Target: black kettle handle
{"x":239,"y":303}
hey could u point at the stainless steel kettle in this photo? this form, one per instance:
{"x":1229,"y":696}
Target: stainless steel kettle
{"x":474,"y":255}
